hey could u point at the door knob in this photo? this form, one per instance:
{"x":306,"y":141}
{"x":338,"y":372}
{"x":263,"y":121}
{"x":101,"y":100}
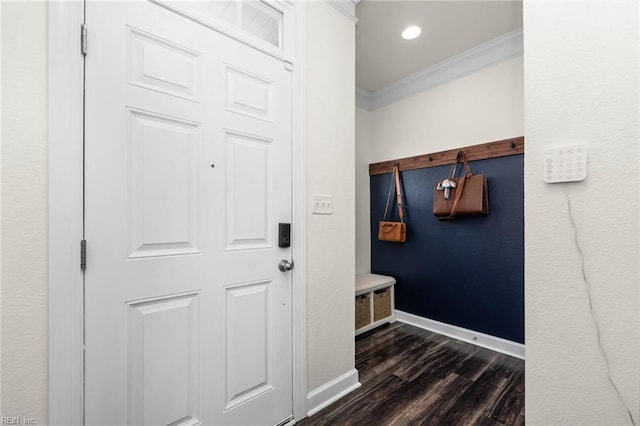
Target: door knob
{"x":285,"y":265}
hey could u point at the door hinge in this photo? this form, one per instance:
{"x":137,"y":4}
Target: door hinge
{"x":83,"y":39}
{"x":83,"y":255}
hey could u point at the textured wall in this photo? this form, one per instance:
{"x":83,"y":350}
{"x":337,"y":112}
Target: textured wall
{"x":363,"y":241}
{"x":24,"y":210}
{"x":468,"y":272}
{"x":581,"y":80}
{"x":330,"y":154}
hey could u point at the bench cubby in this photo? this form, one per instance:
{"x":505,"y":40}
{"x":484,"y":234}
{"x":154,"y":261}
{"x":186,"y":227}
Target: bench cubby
{"x":374,"y":303}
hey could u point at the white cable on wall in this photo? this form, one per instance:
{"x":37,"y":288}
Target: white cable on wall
{"x":591,"y":310}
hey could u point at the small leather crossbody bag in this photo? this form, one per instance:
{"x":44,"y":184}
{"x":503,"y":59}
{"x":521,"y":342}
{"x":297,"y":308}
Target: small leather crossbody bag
{"x":393,"y":231}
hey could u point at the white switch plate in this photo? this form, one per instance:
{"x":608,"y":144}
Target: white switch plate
{"x":322,"y":204}
{"x":565,"y":164}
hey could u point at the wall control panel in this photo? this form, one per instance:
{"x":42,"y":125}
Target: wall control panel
{"x":565,"y":164}
{"x":322,"y":204}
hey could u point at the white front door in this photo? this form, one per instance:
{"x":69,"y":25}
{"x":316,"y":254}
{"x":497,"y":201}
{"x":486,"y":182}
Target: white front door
{"x":187,"y":175}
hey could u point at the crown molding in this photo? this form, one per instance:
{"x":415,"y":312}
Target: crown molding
{"x":500,"y":49}
{"x":346,"y":7}
{"x":364,"y":99}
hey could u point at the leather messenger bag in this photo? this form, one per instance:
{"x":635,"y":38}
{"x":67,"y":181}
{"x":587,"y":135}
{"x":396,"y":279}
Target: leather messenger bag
{"x":459,"y":196}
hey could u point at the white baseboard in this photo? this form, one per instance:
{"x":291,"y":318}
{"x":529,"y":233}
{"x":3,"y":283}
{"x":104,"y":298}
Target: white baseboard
{"x":332,"y":391}
{"x":475,"y":338}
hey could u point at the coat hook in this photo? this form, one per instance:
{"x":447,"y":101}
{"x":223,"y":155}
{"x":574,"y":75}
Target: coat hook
{"x":460,"y":154}
{"x":430,"y":158}
{"x":513,"y":145}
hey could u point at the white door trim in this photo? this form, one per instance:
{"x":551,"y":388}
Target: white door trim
{"x":65,"y":107}
{"x":299,"y":214}
{"x":65,"y":82}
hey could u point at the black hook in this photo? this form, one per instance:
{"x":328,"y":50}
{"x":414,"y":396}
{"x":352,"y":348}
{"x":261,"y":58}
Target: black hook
{"x":513,"y":145}
{"x":460,"y":154}
{"x":430,"y":158}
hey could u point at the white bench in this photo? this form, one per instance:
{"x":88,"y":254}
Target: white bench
{"x":374,"y":301}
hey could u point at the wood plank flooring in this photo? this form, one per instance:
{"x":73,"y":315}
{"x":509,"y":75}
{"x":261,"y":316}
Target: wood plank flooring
{"x":411,"y":376}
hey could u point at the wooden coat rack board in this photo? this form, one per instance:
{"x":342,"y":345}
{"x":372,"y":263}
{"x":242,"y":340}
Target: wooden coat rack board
{"x":483,"y":151}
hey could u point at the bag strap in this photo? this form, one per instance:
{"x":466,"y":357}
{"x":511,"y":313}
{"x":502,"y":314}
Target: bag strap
{"x":463,"y":156}
{"x":399,"y":192}
{"x":452,"y":170}
{"x":461,"y":183}
{"x":395,"y":178}
{"x":386,"y":207}
{"x":459,"y":190}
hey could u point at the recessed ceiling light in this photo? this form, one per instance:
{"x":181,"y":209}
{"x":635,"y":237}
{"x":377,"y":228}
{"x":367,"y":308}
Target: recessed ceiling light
{"x":411,"y":32}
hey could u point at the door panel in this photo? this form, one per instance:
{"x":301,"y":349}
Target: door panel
{"x":163,"y":185}
{"x":248,"y":94}
{"x":163,"y":360}
{"x":248,"y":165}
{"x":248,"y":341}
{"x":188,"y":173}
{"x":158,"y":64}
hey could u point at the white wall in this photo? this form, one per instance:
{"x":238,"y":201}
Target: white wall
{"x":581,"y":80}
{"x":330,"y":96}
{"x":0,"y":216}
{"x":363,"y":242}
{"x":482,"y":107}
{"x":24,"y":211}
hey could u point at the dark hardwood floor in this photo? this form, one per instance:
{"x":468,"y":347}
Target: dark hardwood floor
{"x":411,"y":376}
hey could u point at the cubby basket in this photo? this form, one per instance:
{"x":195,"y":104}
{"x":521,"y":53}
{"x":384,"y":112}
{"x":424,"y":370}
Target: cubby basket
{"x":381,"y":304}
{"x":363,"y":310}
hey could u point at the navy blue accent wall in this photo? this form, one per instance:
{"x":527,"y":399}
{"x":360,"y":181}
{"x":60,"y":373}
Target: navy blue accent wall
{"x":467,"y":272}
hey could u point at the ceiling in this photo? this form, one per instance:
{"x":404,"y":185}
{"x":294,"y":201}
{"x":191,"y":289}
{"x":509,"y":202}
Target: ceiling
{"x":448,"y":28}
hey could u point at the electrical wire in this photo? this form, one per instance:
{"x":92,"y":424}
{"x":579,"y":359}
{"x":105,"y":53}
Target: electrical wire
{"x":591,"y":310}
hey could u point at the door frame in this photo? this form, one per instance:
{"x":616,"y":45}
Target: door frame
{"x":66,"y":227}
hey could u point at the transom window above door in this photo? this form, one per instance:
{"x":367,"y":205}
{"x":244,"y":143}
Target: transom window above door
{"x":257,"y":18}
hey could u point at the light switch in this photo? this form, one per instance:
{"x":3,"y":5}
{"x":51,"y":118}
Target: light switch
{"x":565,"y":164}
{"x":322,"y":204}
